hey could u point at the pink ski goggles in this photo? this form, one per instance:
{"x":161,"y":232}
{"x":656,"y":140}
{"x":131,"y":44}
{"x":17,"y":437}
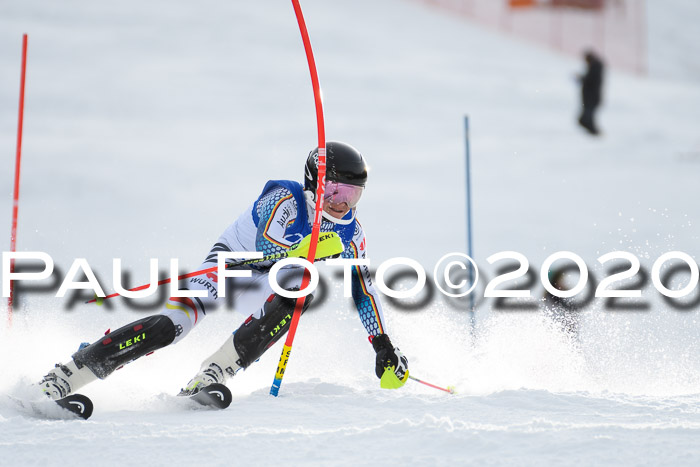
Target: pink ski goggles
{"x":337,"y":193}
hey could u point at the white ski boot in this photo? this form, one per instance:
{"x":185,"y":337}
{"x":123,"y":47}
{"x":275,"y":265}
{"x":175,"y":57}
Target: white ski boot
{"x":215,"y":369}
{"x":65,"y":379}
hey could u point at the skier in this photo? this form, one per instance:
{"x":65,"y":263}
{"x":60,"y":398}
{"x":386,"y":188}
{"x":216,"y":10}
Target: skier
{"x":278,"y":219}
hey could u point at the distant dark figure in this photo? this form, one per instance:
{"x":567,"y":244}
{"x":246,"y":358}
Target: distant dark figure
{"x":591,"y":84}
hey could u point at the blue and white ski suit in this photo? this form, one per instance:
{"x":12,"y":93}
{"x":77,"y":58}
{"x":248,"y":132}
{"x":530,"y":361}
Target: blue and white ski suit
{"x":271,"y":225}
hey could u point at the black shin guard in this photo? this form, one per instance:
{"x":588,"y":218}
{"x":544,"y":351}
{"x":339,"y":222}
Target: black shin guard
{"x":125,"y":345}
{"x":255,"y":336}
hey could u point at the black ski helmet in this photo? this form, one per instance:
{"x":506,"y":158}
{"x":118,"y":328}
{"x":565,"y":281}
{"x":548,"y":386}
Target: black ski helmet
{"x":344,"y":164}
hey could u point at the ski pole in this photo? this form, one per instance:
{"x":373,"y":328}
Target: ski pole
{"x":329,"y":245}
{"x":449,"y":389}
{"x":196,"y":273}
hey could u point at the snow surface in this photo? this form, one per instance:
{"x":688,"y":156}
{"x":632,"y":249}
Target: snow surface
{"x":151,"y":125}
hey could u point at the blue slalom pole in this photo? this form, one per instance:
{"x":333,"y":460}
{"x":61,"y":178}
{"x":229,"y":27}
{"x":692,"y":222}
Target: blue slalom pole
{"x":470,"y":251}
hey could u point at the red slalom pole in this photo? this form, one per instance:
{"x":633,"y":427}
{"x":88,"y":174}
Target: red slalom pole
{"x":318,"y":209}
{"x":15,"y":196}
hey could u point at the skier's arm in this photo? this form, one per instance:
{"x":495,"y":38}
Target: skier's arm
{"x":364,"y":293}
{"x":276,"y":210}
{"x":369,"y":308}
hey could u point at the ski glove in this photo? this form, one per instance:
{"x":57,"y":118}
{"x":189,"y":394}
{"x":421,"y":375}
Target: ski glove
{"x":329,"y":246}
{"x":389,"y":360}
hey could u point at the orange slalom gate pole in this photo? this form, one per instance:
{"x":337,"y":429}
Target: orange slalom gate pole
{"x":318,"y":209}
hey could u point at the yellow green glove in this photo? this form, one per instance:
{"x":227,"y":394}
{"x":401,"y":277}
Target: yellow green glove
{"x":391,"y":364}
{"x":329,"y":245}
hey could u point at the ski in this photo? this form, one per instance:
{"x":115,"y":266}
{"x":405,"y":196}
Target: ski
{"x":215,"y":395}
{"x":72,"y":406}
{"x":78,"y":404}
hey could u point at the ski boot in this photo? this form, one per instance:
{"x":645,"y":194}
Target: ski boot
{"x":257,"y":334}
{"x":215,"y":369}
{"x":64,"y":380}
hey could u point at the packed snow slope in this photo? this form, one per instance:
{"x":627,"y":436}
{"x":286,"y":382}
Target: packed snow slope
{"x":149,"y":126}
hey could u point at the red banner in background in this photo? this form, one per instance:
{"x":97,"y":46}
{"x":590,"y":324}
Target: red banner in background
{"x":615,"y":29}
{"x":584,"y":4}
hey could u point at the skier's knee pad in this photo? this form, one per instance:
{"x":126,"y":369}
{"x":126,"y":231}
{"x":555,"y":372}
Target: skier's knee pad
{"x":126,"y":344}
{"x":255,"y":336}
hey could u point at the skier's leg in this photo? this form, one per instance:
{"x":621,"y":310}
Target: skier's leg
{"x":114,"y":350}
{"x":133,"y":341}
{"x":594,"y":127}
{"x":255,"y":335}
